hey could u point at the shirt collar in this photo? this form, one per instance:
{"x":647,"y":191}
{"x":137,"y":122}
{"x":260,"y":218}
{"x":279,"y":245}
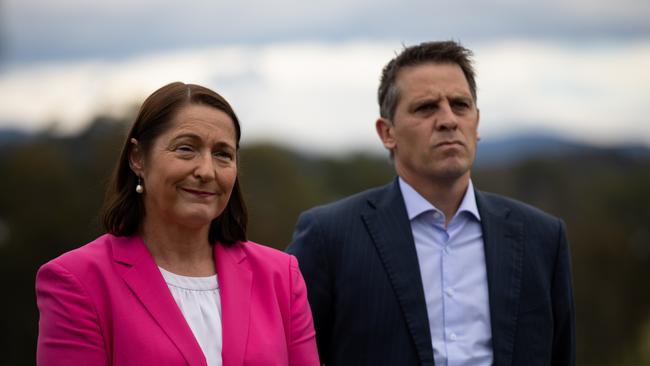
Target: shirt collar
{"x":416,"y":204}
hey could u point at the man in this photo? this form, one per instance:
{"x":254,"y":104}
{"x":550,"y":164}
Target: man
{"x":428,"y":269}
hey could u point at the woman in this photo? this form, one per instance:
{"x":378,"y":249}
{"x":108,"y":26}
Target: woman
{"x":174,"y":281}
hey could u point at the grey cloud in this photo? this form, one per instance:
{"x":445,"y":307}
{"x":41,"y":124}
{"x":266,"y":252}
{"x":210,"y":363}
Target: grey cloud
{"x":67,"y":29}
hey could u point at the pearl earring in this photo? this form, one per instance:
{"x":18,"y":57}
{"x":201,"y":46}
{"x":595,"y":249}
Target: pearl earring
{"x":139,"y":188}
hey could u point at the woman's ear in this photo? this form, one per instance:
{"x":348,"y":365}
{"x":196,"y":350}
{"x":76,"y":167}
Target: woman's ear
{"x":136,"y":157}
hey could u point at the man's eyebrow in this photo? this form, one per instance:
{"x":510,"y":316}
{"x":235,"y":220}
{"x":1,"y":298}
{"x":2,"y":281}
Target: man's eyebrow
{"x":428,"y":99}
{"x":461,"y":98}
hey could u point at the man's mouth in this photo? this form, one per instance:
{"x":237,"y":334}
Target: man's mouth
{"x":449,"y":143}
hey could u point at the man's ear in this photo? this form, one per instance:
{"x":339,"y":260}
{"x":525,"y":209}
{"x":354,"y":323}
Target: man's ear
{"x":478,"y":119}
{"x":136,"y":157}
{"x":386,"y":132}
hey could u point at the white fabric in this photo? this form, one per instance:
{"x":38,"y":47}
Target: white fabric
{"x":198,"y":299}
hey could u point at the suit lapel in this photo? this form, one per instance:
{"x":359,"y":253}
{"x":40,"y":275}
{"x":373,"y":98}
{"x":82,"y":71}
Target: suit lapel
{"x":235,"y":285}
{"x":389,"y":227}
{"x":139,"y":271}
{"x":504,"y":252}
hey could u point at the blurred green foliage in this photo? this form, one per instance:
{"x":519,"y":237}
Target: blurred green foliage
{"x":51,"y":189}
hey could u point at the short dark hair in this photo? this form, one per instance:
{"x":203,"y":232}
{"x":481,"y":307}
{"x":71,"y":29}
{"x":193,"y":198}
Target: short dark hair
{"x":124,"y":208}
{"x":446,"y":52}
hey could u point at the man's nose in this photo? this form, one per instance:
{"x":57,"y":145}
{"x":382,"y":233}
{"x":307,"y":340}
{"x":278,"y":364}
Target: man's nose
{"x":446,"y":119}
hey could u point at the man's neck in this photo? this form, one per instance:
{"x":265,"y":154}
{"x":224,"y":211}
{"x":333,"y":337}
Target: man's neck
{"x":445,"y":195}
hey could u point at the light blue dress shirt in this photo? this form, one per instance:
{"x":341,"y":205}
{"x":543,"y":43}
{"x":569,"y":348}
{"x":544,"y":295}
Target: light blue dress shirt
{"x":452,"y":265}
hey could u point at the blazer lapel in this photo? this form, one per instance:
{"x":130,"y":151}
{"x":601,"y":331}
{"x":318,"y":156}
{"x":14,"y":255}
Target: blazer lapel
{"x":389,"y":227}
{"x":504,"y":252}
{"x":235,"y":285}
{"x":139,"y":271}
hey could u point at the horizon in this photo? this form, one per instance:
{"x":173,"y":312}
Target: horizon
{"x":494,"y":150}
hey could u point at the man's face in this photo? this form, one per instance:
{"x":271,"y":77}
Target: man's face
{"x":433,"y":133}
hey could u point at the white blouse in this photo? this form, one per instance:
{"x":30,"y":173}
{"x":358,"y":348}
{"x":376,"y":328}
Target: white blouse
{"x":198,"y":299}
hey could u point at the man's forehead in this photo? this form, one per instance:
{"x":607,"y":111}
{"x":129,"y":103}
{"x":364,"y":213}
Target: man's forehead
{"x":429,"y":77}
{"x":428,"y":70}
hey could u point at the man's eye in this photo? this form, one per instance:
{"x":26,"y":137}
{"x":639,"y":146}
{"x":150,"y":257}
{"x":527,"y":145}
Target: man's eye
{"x":426,"y":107}
{"x":184,"y":148}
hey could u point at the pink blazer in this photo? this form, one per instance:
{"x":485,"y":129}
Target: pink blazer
{"x":106,"y":303}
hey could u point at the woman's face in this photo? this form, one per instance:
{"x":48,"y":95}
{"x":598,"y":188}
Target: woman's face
{"x":189,"y":173}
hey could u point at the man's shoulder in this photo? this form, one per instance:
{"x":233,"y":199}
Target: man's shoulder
{"x":352,"y":204}
{"x":492,"y":201}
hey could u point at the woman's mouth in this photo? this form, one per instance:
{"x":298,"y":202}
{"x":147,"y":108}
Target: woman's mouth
{"x":199,"y":193}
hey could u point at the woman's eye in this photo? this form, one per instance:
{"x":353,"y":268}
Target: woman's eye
{"x":223,"y":155}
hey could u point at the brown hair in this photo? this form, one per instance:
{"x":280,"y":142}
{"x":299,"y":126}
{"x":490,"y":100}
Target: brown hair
{"x":446,"y":52}
{"x":124,"y":208}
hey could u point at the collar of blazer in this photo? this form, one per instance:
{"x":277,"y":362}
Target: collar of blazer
{"x":389,"y":227}
{"x":503,"y":237}
{"x":140,"y":272}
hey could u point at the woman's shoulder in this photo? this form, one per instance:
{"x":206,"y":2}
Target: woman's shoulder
{"x":267,"y":256}
{"x":94,"y":254}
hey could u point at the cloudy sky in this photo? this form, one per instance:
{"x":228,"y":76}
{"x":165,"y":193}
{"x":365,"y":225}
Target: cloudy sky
{"x":305,"y":73}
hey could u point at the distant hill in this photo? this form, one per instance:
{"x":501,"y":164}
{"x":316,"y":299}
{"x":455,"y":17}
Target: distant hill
{"x":514,"y":149}
{"x":491,"y":152}
{"x":10,"y":136}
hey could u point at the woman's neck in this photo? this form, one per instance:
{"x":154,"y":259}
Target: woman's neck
{"x":179,"y":250}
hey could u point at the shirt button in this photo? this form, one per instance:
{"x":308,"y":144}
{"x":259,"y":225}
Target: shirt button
{"x":450,"y":292}
{"x":453,"y":336}
{"x":447,"y":250}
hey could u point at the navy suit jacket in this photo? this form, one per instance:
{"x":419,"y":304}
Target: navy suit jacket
{"x":364,"y":286}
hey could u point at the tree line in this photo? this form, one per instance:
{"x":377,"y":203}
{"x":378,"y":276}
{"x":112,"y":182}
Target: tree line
{"x":52,"y":188}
